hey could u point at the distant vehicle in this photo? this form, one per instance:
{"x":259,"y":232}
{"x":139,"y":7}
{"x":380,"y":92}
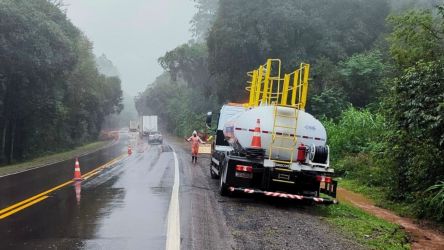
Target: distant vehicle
{"x":147,"y":124}
{"x":270,"y":145}
{"x":155,"y":137}
{"x":133,"y":126}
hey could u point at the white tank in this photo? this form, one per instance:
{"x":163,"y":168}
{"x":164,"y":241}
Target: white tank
{"x":309,"y":130}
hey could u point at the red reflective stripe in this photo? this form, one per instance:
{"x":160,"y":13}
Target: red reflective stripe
{"x":251,"y":130}
{"x":304,"y":136}
{"x":316,"y":138}
{"x":238,"y":128}
{"x":265,"y":132}
{"x":278,"y":133}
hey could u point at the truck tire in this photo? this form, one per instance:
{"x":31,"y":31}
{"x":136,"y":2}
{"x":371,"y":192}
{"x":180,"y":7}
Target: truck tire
{"x":223,"y":189}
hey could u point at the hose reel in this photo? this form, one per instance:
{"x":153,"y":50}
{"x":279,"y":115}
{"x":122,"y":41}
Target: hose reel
{"x":318,"y":154}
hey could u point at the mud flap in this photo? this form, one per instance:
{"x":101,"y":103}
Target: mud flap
{"x":330,"y":188}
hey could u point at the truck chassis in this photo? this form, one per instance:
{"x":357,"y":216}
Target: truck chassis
{"x":238,"y":173}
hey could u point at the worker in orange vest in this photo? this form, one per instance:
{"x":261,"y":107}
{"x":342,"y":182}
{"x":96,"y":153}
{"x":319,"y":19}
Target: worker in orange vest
{"x":195,"y":141}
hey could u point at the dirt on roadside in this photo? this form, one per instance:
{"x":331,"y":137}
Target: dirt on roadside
{"x":422,"y":237}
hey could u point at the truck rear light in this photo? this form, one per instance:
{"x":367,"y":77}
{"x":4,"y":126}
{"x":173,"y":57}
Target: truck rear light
{"x":242,"y":168}
{"x":321,"y":178}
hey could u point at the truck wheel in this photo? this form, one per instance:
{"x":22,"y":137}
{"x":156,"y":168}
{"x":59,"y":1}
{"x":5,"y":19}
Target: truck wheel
{"x":223,"y":189}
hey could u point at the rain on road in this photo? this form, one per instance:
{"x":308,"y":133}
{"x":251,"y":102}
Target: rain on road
{"x":125,"y":205}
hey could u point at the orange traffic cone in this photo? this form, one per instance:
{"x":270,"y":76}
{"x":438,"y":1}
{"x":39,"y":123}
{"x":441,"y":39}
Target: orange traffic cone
{"x":77,"y":174}
{"x":256,"y":141}
{"x":130,"y":151}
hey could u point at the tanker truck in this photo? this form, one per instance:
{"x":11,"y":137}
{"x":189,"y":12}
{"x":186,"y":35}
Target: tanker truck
{"x":270,"y":146}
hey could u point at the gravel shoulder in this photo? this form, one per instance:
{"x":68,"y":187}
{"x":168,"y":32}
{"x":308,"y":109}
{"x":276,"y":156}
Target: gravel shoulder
{"x":210,"y":221}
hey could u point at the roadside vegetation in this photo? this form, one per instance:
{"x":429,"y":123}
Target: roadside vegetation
{"x":50,"y":158}
{"x":377,"y":84}
{"x":366,"y":229}
{"x":52,"y":97}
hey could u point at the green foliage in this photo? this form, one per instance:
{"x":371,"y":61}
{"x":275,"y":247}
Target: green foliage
{"x":246,"y":33}
{"x":355,"y":132}
{"x":370,"y":231}
{"x":355,"y":140}
{"x":363,"y":77}
{"x":436,"y":200}
{"x":417,"y":36}
{"x":190,"y":63}
{"x":51,"y":95}
{"x":415,"y":110}
{"x":362,"y":167}
{"x":329,"y":103}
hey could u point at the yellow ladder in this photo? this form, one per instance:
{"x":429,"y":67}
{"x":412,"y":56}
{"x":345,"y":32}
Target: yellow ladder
{"x":290,"y":136}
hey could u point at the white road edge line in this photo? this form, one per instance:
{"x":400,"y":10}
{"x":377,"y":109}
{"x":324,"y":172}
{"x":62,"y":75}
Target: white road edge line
{"x":173,"y":223}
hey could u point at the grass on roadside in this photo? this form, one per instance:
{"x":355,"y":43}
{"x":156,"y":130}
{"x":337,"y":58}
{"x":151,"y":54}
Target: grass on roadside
{"x":377,"y":194}
{"x":52,"y":158}
{"x":366,"y":229}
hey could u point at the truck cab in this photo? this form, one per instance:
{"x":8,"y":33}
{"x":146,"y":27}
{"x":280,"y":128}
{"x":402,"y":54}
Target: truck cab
{"x":221,"y":147}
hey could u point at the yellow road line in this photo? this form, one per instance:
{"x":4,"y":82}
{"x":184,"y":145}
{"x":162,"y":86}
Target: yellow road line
{"x":34,"y":197}
{"x":37,"y":198}
{"x":23,"y":207}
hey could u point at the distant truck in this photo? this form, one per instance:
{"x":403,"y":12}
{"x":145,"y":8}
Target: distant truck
{"x":148,"y":127}
{"x":133,"y":126}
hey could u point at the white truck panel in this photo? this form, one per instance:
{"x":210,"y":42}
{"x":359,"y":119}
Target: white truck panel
{"x":150,"y":123}
{"x":309,"y":129}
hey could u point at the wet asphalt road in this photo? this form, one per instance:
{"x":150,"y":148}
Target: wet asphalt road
{"x":125,"y":206}
{"x":122,"y":207}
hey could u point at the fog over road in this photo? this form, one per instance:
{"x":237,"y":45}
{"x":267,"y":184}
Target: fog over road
{"x":125,"y":206}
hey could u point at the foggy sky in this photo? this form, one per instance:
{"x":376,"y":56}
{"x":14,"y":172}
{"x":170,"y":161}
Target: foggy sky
{"x":133,"y":33}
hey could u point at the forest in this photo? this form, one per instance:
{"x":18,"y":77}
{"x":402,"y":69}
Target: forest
{"x":52,"y":96}
{"x":377,"y":83}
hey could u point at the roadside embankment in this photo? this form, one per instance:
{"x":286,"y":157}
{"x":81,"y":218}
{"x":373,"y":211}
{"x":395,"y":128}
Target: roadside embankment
{"x":53,"y":158}
{"x":420,"y":236}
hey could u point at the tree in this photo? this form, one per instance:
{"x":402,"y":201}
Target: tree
{"x":204,"y":18}
{"x":190,"y":63}
{"x":329,"y":103}
{"x":363,"y":77}
{"x":51,"y":95}
{"x":417,"y":35}
{"x":415,"y":106}
{"x":246,"y":33}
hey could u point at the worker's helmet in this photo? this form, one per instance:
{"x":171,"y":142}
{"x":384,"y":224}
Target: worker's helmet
{"x":194,"y":132}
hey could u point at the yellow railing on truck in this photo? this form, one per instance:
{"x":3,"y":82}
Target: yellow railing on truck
{"x":267,"y":87}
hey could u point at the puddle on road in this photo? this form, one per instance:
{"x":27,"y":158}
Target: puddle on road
{"x":422,"y":238}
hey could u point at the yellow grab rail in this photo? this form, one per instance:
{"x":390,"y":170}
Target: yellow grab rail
{"x":267,"y":87}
